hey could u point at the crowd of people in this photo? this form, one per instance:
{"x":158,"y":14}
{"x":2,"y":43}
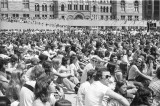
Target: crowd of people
{"x":109,"y":69}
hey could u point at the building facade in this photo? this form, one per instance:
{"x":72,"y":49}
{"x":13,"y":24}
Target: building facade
{"x":127,"y":9}
{"x":73,"y":9}
{"x":151,"y":10}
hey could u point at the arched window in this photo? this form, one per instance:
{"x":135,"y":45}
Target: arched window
{"x":44,"y":7}
{"x":62,"y":7}
{"x":51,"y":7}
{"x":122,"y":5}
{"x":110,"y":9}
{"x":104,"y":9}
{"x":94,"y":8}
{"x":107,"y":9}
{"x":101,"y":9}
{"x":136,"y":5}
{"x":36,"y":7}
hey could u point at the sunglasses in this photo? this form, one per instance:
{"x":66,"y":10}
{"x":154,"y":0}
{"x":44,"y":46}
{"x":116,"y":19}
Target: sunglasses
{"x":107,"y":76}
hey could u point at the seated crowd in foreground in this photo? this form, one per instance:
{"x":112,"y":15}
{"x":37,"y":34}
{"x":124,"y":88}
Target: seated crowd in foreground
{"x":102,"y":69}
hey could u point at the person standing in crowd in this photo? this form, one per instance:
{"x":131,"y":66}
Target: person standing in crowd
{"x":99,"y":88}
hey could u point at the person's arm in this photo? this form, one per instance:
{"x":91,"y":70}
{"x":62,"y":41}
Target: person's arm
{"x":118,"y":97}
{"x":63,"y":75}
{"x":141,"y":74}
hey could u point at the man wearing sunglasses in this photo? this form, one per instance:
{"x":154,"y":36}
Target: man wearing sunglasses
{"x":99,"y":89}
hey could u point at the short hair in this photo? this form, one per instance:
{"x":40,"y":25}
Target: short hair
{"x":90,"y":74}
{"x":72,"y":58}
{"x":42,"y":88}
{"x":64,"y":60}
{"x":112,"y":56}
{"x":99,"y":72}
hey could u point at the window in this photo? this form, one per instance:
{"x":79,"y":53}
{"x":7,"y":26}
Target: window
{"x":122,"y":17}
{"x":122,"y":5}
{"x":36,"y":7}
{"x":26,"y":4}
{"x":51,"y":16}
{"x":136,"y":18}
{"x":106,"y":17}
{"x":75,"y":7}
{"x":101,"y":9}
{"x":101,"y":17}
{"x":94,"y":8}
{"x":37,"y":15}
{"x":150,"y":2}
{"x":63,"y":17}
{"x":87,"y":6}
{"x":110,"y":9}
{"x":44,"y":7}
{"x":106,"y":9}
{"x":81,"y":6}
{"x":51,"y":7}
{"x":15,"y":15}
{"x":44,"y":16}
{"x":4,"y":3}
{"x":25,"y":15}
{"x":130,"y":18}
{"x":136,"y":5}
{"x":62,"y":7}
{"x":70,"y":6}
{"x":4,"y":15}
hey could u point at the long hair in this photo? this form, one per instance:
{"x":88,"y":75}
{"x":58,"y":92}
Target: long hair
{"x":141,"y":97}
{"x":42,"y":88}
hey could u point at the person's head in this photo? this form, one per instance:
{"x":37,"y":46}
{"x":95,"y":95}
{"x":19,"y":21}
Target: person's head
{"x":144,"y":96}
{"x":113,"y":58}
{"x":43,"y":57}
{"x":12,"y":93}
{"x":65,"y":61}
{"x":73,"y":59}
{"x":56,"y":63}
{"x":90,"y":75}
{"x":36,"y":72}
{"x":121,"y":87}
{"x":102,"y":75}
{"x":47,"y":65}
{"x":42,"y":88}
{"x":139,"y":62}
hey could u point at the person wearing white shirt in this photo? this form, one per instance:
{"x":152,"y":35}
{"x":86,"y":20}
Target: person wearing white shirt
{"x":99,"y":89}
{"x":84,"y":87}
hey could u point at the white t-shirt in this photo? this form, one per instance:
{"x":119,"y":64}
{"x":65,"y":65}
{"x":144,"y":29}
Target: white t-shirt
{"x":94,"y":96}
{"x":26,"y":95}
{"x":86,"y":69}
{"x":81,"y":93}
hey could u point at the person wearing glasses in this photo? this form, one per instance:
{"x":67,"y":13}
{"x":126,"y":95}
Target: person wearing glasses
{"x":99,"y":89}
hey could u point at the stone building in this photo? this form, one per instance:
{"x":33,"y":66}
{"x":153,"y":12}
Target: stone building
{"x":73,"y":9}
{"x":127,"y":9}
